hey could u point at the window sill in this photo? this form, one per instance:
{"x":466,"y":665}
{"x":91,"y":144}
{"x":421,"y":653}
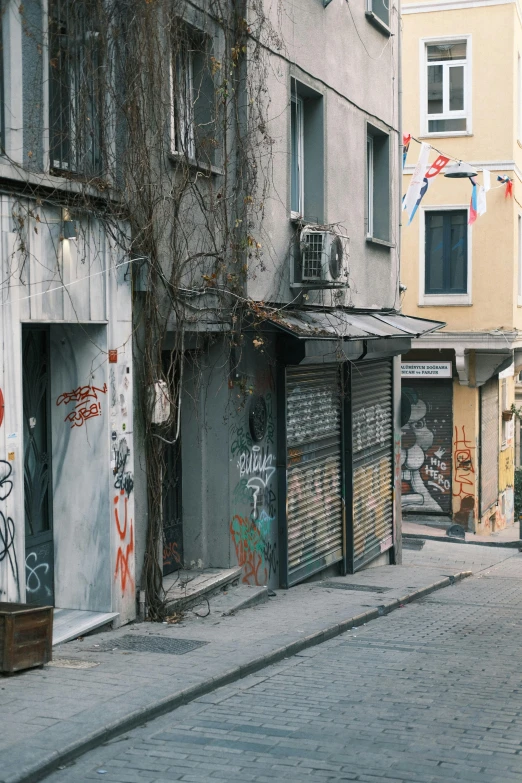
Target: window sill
{"x":296,"y":217}
{"x":378,"y":23}
{"x":445,"y":134}
{"x":382,"y":242}
{"x":205,"y":168}
{"x":445,"y":300}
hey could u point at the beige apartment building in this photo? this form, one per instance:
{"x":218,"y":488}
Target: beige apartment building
{"x":462,"y":87}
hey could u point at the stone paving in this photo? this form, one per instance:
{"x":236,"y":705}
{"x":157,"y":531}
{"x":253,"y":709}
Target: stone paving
{"x":428,"y":694}
{"x":54,"y":710}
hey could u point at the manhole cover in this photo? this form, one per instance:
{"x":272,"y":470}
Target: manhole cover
{"x":152,"y":644}
{"x":73,"y":663}
{"x":362,"y":588}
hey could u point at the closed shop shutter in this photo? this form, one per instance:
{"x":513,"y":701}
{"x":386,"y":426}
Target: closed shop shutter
{"x":372,"y":449}
{"x":426,"y":446}
{"x":314,"y":470}
{"x":489,"y":444}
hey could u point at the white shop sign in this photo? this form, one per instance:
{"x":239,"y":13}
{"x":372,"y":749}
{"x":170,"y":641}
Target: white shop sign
{"x":426,"y":370}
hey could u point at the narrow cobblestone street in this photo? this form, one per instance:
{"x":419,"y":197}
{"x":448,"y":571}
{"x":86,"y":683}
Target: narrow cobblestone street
{"x":430,"y":693}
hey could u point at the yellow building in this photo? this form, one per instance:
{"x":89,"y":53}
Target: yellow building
{"x":462,"y":94}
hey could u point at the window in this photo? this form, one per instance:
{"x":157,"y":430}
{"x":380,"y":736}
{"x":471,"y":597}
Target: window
{"x":2,"y":92}
{"x":446,"y":252}
{"x":297,"y":142}
{"x":378,"y":12}
{"x":75,"y":88}
{"x":519,"y":99}
{"x":447,"y":89}
{"x":307,"y":154}
{"x":519,"y":259}
{"x":193,"y":126}
{"x":377,"y":185}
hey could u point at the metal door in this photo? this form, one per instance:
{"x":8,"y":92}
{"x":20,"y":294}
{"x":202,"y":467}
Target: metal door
{"x":314,"y":470}
{"x":171,"y":485}
{"x":489,"y":444}
{"x":39,"y":547}
{"x":372,"y":455}
{"x":426,"y":446}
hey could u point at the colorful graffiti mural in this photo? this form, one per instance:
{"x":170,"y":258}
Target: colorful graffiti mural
{"x":425,"y":453}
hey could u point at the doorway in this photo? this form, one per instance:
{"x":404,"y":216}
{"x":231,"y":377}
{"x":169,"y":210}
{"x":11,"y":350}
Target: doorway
{"x":39,"y":544}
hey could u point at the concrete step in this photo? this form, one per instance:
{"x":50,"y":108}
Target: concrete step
{"x":185,"y":589}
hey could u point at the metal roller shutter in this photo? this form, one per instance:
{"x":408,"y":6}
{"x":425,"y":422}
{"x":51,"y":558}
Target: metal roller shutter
{"x":489,"y":444}
{"x":314,"y":470}
{"x":372,"y":449}
{"x":427,"y":432}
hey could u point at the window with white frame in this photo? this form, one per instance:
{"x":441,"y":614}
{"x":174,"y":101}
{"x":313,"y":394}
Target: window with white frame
{"x":297,"y":147}
{"x":447,"y":87}
{"x":76,"y":88}
{"x":377,"y":185}
{"x":446,"y":252}
{"x":519,"y":99}
{"x":193,"y":126}
{"x":306,"y":154}
{"x":519,"y":262}
{"x":378,"y":11}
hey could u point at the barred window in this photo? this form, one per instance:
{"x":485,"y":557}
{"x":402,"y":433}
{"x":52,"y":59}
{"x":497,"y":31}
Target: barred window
{"x":75,"y":89}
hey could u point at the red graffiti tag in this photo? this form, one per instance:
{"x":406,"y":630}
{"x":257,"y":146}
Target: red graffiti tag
{"x":122,"y":557}
{"x":2,"y":406}
{"x":249,"y":548}
{"x":83,"y":411}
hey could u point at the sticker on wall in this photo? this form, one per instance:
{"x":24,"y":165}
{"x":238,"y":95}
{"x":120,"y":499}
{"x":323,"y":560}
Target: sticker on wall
{"x":11,"y":456}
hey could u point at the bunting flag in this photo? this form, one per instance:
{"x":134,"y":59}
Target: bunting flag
{"x":435,"y":168}
{"x":416,"y":182}
{"x":486,"y":178}
{"x":508,"y":182}
{"x":406,"y":138}
{"x":473,"y":203}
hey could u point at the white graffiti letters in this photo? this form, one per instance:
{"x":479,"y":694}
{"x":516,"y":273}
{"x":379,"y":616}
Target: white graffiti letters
{"x":257,"y":462}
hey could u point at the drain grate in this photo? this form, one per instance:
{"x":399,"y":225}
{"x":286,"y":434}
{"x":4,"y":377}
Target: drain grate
{"x":362,"y":588}
{"x":151,"y":644}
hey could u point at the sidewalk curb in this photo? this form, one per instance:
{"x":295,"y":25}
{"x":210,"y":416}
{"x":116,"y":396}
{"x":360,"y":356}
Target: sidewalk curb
{"x":34,"y":772}
{"x":451,"y":540}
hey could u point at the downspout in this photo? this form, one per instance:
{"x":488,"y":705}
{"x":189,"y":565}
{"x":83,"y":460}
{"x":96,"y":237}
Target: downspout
{"x":401,"y":146}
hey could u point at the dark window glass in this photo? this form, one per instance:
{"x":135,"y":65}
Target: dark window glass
{"x":76,"y":88}
{"x":446,"y":252}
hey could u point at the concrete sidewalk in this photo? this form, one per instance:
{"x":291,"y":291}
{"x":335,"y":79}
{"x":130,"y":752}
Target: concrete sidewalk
{"x":508,"y":536}
{"x":102,"y":686}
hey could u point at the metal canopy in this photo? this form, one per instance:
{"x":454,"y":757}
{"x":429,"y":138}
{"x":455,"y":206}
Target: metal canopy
{"x":340,"y":324}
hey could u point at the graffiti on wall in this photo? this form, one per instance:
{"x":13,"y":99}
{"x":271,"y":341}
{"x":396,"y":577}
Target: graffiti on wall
{"x":2,"y":407}
{"x":254,"y":498}
{"x":36,"y":569}
{"x":463,"y":477}
{"x":124,"y":483}
{"x":87,"y":405}
{"x":425,"y":463}
{"x":7,"y":526}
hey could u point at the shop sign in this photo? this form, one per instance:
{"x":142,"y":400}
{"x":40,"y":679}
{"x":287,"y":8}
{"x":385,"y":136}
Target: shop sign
{"x":426,"y":370}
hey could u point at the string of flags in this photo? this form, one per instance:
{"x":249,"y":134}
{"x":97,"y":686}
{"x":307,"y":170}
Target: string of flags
{"x":424,"y":173}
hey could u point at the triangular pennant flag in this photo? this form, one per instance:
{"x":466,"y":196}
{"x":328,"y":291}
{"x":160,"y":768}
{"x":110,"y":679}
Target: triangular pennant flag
{"x":473,"y":203}
{"x":406,"y":138}
{"x":435,"y":168}
{"x":486,"y":178}
{"x":416,"y":182}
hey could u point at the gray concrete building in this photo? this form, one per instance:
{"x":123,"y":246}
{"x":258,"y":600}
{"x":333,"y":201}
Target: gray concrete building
{"x":200,"y":222}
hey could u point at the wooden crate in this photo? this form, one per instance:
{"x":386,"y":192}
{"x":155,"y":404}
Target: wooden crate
{"x":26,"y":636}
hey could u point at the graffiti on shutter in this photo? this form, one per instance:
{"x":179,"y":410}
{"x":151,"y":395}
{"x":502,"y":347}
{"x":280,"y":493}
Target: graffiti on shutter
{"x":426,"y":446}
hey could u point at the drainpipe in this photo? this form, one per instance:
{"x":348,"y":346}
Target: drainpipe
{"x":399,"y":110}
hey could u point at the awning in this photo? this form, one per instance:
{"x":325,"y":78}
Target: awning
{"x":345,"y":325}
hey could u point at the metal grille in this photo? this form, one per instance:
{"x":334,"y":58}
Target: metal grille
{"x":76,"y":87}
{"x":489,"y":444}
{"x":314,"y":474}
{"x":313,"y":247}
{"x":372,"y":448}
{"x":154,"y":644}
{"x":427,"y":432}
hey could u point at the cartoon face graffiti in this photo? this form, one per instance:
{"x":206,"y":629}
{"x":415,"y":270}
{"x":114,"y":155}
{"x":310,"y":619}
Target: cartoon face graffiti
{"x":417,"y":439}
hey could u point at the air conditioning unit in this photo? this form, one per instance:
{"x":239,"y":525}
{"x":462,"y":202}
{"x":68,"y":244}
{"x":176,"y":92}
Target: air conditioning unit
{"x":323,"y":258}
